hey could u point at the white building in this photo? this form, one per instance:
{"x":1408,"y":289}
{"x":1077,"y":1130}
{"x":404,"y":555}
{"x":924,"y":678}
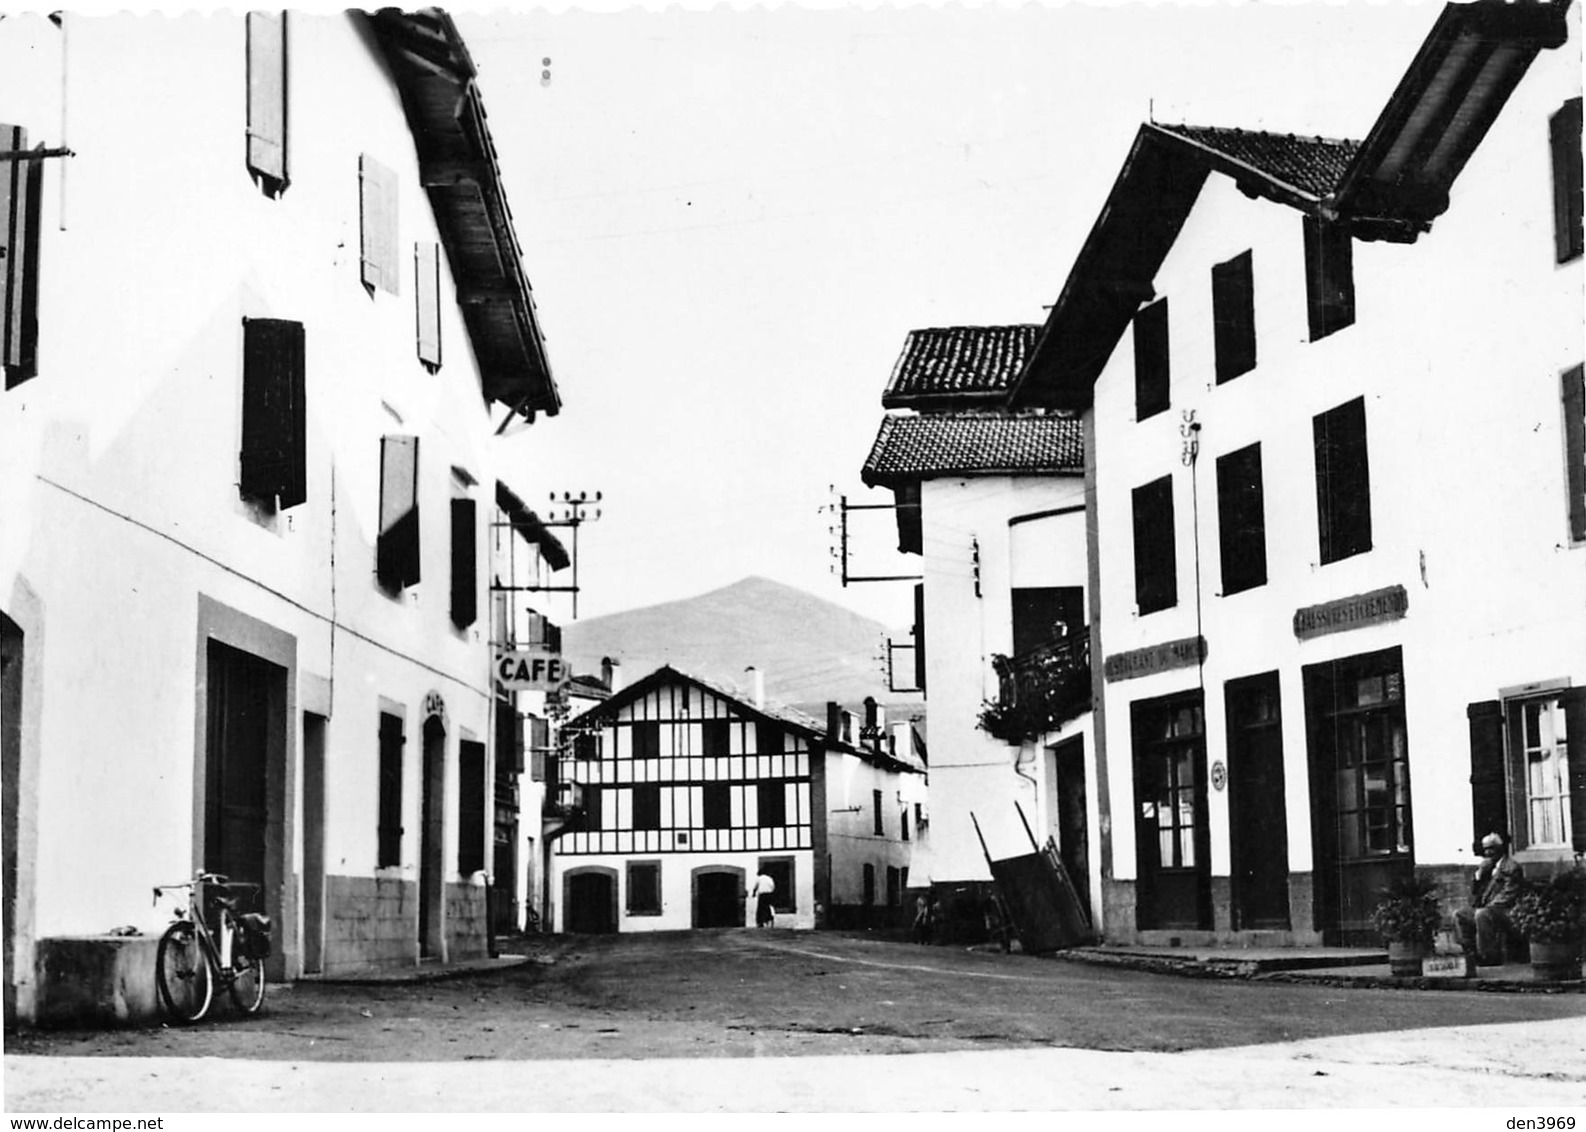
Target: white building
{"x":994,"y":504}
{"x":1336,"y":406}
{"x":247,"y":447}
{"x":685,"y":791}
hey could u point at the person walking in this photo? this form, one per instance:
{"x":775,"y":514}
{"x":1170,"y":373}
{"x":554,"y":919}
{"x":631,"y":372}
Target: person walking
{"x":763,"y":892}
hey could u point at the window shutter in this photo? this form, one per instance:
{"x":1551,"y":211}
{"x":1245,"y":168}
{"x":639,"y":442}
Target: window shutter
{"x":397,"y":550}
{"x":553,"y":637}
{"x":919,"y":635}
{"x":1151,"y":361}
{"x":1329,"y":277}
{"x":274,"y":424}
{"x":266,"y":50}
{"x":427,"y":296}
{"x":1343,"y":481}
{"x":1489,"y":793}
{"x":509,"y":738}
{"x":539,"y":746}
{"x":390,"y":801}
{"x":1564,"y":130}
{"x":21,"y":201}
{"x":377,"y":198}
{"x":471,"y":806}
{"x":1241,"y":515}
{"x":465,"y":580}
{"x":1234,"y":316}
{"x":1574,"y":701}
{"x":1575,"y":449}
{"x":1155,"y":554}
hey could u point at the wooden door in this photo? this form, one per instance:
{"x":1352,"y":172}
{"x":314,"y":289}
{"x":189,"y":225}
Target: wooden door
{"x":591,"y":903}
{"x":719,"y":901}
{"x":236,"y":810}
{"x":1172,"y":843}
{"x":1258,"y":820}
{"x":1073,"y":821}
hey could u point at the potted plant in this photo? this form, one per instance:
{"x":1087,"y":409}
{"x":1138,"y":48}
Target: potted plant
{"x":1408,"y":915}
{"x":1552,"y":915}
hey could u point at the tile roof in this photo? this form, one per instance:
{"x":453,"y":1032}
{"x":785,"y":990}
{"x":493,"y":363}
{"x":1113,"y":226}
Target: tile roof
{"x":958,"y":363}
{"x":939,"y":444}
{"x":1315,"y":166}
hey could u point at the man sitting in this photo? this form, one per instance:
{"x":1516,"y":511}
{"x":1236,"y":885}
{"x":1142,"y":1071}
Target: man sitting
{"x":1484,"y":926}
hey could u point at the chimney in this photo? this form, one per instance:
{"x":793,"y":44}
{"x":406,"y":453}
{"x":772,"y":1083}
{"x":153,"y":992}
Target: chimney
{"x":834,"y":720}
{"x":757,"y":679}
{"x":611,"y":673}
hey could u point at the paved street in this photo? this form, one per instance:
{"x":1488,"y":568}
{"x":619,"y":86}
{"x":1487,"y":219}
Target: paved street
{"x":612,"y":1023}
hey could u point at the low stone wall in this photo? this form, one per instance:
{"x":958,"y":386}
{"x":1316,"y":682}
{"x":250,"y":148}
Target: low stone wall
{"x":370,"y":922}
{"x":467,"y":935}
{"x":100,"y":980}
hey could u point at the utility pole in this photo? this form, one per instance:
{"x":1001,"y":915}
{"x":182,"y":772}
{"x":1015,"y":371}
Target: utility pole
{"x":572,"y":511}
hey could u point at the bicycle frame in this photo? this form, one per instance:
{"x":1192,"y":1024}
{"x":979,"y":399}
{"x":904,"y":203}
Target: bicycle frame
{"x":217,"y":953}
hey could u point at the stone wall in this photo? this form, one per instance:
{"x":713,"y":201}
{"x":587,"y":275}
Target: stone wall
{"x":371,"y":921}
{"x":467,"y":936}
{"x":97,"y":980}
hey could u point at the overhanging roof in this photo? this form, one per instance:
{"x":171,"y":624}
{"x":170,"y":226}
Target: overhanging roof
{"x":531,"y":527}
{"x":957,"y":366}
{"x":931,"y":445}
{"x":462,"y":178}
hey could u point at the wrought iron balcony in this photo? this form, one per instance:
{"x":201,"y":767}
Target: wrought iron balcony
{"x":1040,"y":690}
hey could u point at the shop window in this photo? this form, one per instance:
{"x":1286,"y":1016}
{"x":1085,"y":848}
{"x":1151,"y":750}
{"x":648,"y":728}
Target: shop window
{"x":1045,"y":614}
{"x":267,"y":100}
{"x":21,"y":204}
{"x":1151,"y":366}
{"x":427,"y":300}
{"x":717,"y":802}
{"x":1241,"y":516}
{"x":397,"y":546}
{"x":390,"y":802}
{"x":646,"y":740}
{"x":1329,"y":277}
{"x":1155,"y":561}
{"x":715,"y":738}
{"x":471,"y":806}
{"x":1564,"y":132}
{"x":771,"y":803}
{"x":647,"y":807}
{"x":1234,"y":317}
{"x":1575,"y":450}
{"x":377,"y":227}
{"x":1343,"y":482}
{"x":644,"y":888}
{"x":274,"y":461}
{"x":465,"y":575}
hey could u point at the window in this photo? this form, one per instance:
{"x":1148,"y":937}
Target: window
{"x":1528,"y":769}
{"x":427,"y":300}
{"x":717,"y":805}
{"x":919,"y":636}
{"x":716,"y":738}
{"x":768,"y":738}
{"x":903,"y":823}
{"x":586,"y":746}
{"x":1044,"y":614}
{"x":397,"y":547}
{"x":594,"y":807}
{"x":1540,"y":765}
{"x":1241,"y":515}
{"x":1575,"y":450}
{"x":1155,"y":564}
{"x":471,"y":806}
{"x":782,"y":874}
{"x":274,"y":420}
{"x":21,"y":202}
{"x":647,"y":740}
{"x":1329,"y":277}
{"x":647,"y":807}
{"x":1564,"y":130}
{"x":377,"y":201}
{"x":1343,"y":482}
{"x":1234,"y":317}
{"x":266,"y":49}
{"x":894,"y":886}
{"x":1151,"y":360}
{"x":644,"y":888}
{"x":880,"y":822}
{"x":390,"y":806}
{"x":771,"y":799}
{"x":870,"y":885}
{"x":465,"y":578}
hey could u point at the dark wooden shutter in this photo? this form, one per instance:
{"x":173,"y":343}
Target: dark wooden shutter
{"x":397,"y":549}
{"x":1574,"y":702}
{"x":919,"y":635}
{"x":21,"y":203}
{"x":1151,"y":360}
{"x":1489,"y":784}
{"x":1564,"y":130}
{"x":465,"y":576}
{"x":647,"y":806}
{"x":1343,"y":481}
{"x":717,"y":798}
{"x":539,"y":748}
{"x":377,"y":200}
{"x":274,"y":414}
{"x":471,"y":806}
{"x":266,"y":50}
{"x":427,"y":297}
{"x":1155,"y":553}
{"x":390,"y":802}
{"x":509,"y":739}
{"x":592,"y":807}
{"x":1575,"y":449}
{"x":1241,"y":520}
{"x":1234,"y":316}
{"x":771,"y":803}
{"x":1329,"y":277}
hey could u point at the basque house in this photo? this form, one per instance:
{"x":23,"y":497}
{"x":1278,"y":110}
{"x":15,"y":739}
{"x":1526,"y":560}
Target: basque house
{"x":1355,"y":645}
{"x":684,"y":791}
{"x":250,"y":372}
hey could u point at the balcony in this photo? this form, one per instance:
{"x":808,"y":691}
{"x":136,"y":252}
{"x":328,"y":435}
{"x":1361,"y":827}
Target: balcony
{"x":1040,"y":690}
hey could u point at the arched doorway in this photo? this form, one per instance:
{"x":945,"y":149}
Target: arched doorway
{"x":720,"y":897}
{"x":589,"y":894}
{"x":432,"y":889}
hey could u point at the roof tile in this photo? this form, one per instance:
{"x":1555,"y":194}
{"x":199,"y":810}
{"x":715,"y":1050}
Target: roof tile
{"x":1313,"y":165}
{"x":962,"y":363}
{"x":938,"y":444}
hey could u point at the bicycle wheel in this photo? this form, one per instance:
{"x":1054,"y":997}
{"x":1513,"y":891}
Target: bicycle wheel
{"x":247,"y":984}
{"x":181,"y":973}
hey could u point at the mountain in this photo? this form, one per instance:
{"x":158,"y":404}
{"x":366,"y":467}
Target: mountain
{"x":810,"y":650}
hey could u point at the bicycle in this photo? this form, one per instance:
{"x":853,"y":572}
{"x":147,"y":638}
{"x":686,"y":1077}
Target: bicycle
{"x":208,"y":943}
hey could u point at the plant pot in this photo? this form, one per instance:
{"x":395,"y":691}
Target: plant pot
{"x":1554,"y":959}
{"x":1404,"y":957}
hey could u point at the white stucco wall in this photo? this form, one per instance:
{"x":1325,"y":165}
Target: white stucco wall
{"x":677,"y":870}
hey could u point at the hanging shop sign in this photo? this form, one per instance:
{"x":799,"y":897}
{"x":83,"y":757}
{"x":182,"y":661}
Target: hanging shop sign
{"x":1387,"y":604}
{"x":520,"y":670}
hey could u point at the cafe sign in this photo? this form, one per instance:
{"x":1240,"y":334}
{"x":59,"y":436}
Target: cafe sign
{"x":520,"y":670}
{"x":1387,"y":604}
{"x":1149,"y":661}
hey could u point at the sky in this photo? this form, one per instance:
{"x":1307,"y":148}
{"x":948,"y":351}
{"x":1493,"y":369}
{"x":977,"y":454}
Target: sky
{"x":732,"y":219}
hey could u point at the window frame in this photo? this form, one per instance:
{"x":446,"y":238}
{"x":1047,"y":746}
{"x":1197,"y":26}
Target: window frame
{"x":1155,"y":546}
{"x":630,"y":906}
{"x":715,"y":806}
{"x":650,"y":818}
{"x":464,"y":561}
{"x":781,"y":868}
{"x":273,"y":455}
{"x":773,"y":790}
{"x":879,"y":823}
{"x":397,"y":546}
{"x":646,"y":738}
{"x":473,"y":806}
{"x":715,"y":738}
{"x":389,"y":774}
{"x":1341,"y":445}
{"x":1517,"y":771}
{"x":1241,"y":520}
{"x":1234,"y":316}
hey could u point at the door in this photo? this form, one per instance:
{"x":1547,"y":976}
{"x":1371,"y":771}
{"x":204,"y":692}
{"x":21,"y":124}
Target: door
{"x":313,"y":843}
{"x":1172,"y":844}
{"x":431,"y":881}
{"x":719,"y":900}
{"x":1257,"y":817}
{"x":592,"y":903}
{"x":1073,"y":822}
{"x":236,"y":810}
{"x":1360,"y":789}
{"x":11,"y":639}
